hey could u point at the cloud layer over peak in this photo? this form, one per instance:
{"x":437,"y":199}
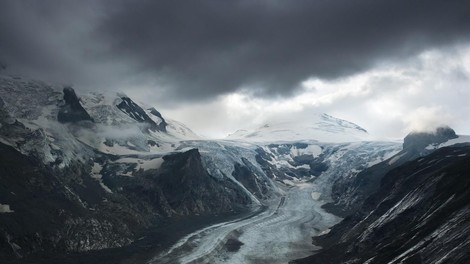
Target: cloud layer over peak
{"x":197,"y":50}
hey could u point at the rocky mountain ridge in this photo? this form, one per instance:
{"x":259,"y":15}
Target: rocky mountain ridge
{"x":419,"y":214}
{"x":99,"y":170}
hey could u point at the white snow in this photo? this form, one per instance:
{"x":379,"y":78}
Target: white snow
{"x":324,"y":232}
{"x":316,"y":195}
{"x":143,"y":164}
{"x":396,"y":158}
{"x":288,"y":182}
{"x":5,"y":208}
{"x":320,"y":127}
{"x":458,"y":140}
{"x":96,"y":174}
{"x":313,"y":150}
{"x":117,"y":150}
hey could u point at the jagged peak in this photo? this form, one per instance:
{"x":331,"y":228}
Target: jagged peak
{"x":72,"y":110}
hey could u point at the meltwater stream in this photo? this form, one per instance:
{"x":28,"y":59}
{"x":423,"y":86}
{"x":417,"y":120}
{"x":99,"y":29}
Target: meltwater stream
{"x":279,"y":234}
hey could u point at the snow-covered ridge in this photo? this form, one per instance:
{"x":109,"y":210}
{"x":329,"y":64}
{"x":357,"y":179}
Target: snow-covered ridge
{"x":459,"y":140}
{"x":111,"y":129}
{"x":320,"y":127}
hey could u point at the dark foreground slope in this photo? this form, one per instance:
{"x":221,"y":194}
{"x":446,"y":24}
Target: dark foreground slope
{"x":349,"y":193}
{"x":420,"y":214}
{"x":54,"y":211}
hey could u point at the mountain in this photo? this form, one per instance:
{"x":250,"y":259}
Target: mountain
{"x":320,"y":127}
{"x":96,"y":166}
{"x":419,"y":214}
{"x":348,"y":193}
{"x":94,"y":170}
{"x":100,"y":178}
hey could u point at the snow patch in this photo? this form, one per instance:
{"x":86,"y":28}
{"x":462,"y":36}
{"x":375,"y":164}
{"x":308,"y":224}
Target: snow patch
{"x":5,"y":208}
{"x":142,"y":164}
{"x":324,"y":232}
{"x":316,"y":195}
{"x":313,"y":150}
{"x":460,"y":139}
{"x":395,"y":159}
{"x":95,"y":174}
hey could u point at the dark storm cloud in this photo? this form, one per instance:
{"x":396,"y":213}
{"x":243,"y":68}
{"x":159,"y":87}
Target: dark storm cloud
{"x":47,"y":39}
{"x":200,"y":49}
{"x":211,"y":47}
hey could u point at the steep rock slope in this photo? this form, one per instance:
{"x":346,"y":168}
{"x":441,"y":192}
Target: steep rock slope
{"x":349,"y":192}
{"x":420,"y":214}
{"x":72,"y":110}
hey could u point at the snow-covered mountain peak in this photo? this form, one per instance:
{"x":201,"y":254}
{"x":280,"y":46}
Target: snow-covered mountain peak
{"x":66,"y":122}
{"x":320,"y":127}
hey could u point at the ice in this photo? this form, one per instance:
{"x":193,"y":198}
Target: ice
{"x":460,"y":139}
{"x":281,"y":233}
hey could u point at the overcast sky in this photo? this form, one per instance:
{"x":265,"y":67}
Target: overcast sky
{"x":389,"y":66}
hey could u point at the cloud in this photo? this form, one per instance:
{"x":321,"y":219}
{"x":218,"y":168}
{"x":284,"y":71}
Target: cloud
{"x":426,"y":119}
{"x":419,"y":93}
{"x":199,"y":50}
{"x":222,"y":65}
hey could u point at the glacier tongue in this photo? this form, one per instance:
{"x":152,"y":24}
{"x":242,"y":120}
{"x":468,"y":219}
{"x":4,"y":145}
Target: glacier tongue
{"x":292,"y":214}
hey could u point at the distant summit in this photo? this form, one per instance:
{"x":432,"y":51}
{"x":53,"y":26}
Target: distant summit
{"x":321,"y":127}
{"x":418,"y":141}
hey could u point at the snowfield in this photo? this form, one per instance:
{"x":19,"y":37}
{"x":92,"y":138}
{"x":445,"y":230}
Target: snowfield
{"x":320,"y":127}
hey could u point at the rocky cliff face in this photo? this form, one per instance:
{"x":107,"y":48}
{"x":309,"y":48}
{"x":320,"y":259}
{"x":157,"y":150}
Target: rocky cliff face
{"x":134,"y":111}
{"x":419,"y":141}
{"x":72,"y":110}
{"x":348,"y":193}
{"x":419,"y":214}
{"x":188,"y":188}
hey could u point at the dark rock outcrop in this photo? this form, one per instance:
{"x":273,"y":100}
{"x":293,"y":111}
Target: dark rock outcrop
{"x":418,"y":141}
{"x":163,"y":123}
{"x":189,"y":188}
{"x":419,"y":214}
{"x":72,"y":111}
{"x":49,"y":214}
{"x":133,"y":110}
{"x":252,"y":182}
